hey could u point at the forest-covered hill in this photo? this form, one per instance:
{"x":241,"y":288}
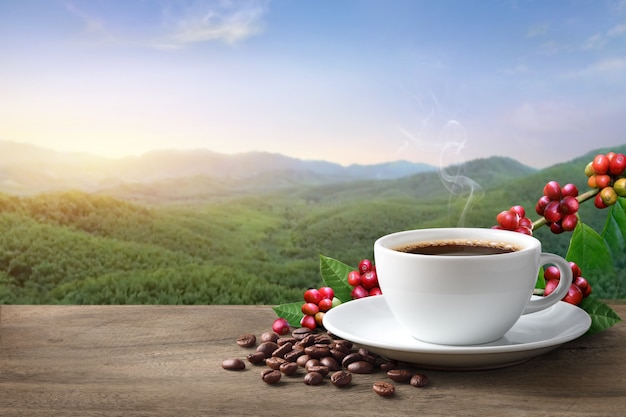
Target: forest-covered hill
{"x":258,"y":246}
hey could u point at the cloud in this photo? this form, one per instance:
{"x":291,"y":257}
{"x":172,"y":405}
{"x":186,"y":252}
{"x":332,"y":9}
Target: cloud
{"x":604,"y":68}
{"x":537,"y":30}
{"x":228,"y":22}
{"x":90,"y":23}
{"x":598,"y":40}
{"x":617,"y":30}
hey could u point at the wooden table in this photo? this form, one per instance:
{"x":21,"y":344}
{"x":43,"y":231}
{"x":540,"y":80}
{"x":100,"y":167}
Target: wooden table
{"x":166,"y":361}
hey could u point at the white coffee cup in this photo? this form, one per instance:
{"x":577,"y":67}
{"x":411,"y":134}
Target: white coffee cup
{"x":463,"y":300}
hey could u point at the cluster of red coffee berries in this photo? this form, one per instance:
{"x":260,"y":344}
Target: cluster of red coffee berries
{"x":605,"y":173}
{"x":364,"y":281}
{"x":559,"y":205}
{"x":514,"y":219}
{"x":579,"y":289}
{"x":316,"y":303}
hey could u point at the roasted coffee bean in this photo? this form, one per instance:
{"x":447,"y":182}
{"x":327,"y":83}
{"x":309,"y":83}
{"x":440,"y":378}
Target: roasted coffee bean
{"x":267,"y":348}
{"x":311,"y":362}
{"x":256,"y":358}
{"x":284,"y":340}
{"x":367,"y":355}
{"x":320,"y":369}
{"x":388,"y":366}
{"x":274,"y":362}
{"x":399,"y":375}
{"x":293,"y":355}
{"x":313,"y":378}
{"x":301,"y":332}
{"x":317,"y":351}
{"x":270,"y":376}
{"x":340,"y":347}
{"x":338,"y":354}
{"x":323,"y":339}
{"x":352,"y":357}
{"x":298,"y":346}
{"x":288,"y":368}
{"x":344,"y":344}
{"x":331,"y":363}
{"x":419,"y":380}
{"x":269,"y":337}
{"x":384,"y":389}
{"x":282,"y":350}
{"x":360,"y":367}
{"x":233,"y":364}
{"x":302,"y":360}
{"x":341,"y":378}
{"x":246,"y":340}
{"x":308,"y":340}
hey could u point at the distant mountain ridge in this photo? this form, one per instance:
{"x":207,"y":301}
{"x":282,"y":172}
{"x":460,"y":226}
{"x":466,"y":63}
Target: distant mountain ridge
{"x":182,"y":174}
{"x":26,"y":168}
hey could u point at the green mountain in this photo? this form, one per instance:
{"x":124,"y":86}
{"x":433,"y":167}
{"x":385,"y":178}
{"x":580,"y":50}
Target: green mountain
{"x":254,"y":245}
{"x":160,"y":175}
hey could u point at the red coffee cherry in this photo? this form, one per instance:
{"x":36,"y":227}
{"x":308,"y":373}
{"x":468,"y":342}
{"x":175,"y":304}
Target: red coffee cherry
{"x":598,"y":202}
{"x":600,"y":164}
{"x":576,"y":271}
{"x":308,"y":322}
{"x":569,"y":222}
{"x":310,"y":309}
{"x":574,"y":295}
{"x":569,"y":190}
{"x":508,"y":220}
{"x":354,"y":278}
{"x":369,"y":280}
{"x":365,"y":265}
{"x":359,"y":292}
{"x":280,"y":326}
{"x":550,"y":286}
{"x":552,"y":213}
{"x":325,"y":304}
{"x":610,"y":155}
{"x":617,"y":165}
{"x":582,"y":283}
{"x":602,"y":181}
{"x":375,"y":291}
{"x":519,"y":210}
{"x":556,"y":228}
{"x":552,"y":190}
{"x":552,"y":273}
{"x":312,"y":296}
{"x":327,"y":292}
{"x":568,"y":205}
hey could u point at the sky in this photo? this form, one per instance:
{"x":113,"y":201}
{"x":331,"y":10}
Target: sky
{"x":348,"y":81}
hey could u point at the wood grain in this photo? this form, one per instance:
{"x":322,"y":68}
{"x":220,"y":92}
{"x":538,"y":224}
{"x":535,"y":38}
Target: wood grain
{"x":166,"y":361}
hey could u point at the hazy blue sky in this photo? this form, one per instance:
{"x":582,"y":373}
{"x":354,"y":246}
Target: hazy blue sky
{"x":349,"y":81}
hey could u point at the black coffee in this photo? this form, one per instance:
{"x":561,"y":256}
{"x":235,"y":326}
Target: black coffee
{"x":458,"y":248}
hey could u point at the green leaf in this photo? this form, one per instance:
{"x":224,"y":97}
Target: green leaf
{"x":602,"y":316}
{"x":292,"y":312}
{"x":614,"y":232}
{"x":335,"y":275}
{"x":590,"y":252}
{"x":541,"y":281}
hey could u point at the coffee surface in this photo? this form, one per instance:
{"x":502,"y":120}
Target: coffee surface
{"x":458,"y":248}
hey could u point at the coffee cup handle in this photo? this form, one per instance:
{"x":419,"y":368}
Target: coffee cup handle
{"x":560,"y":291}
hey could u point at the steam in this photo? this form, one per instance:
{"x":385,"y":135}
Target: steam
{"x":451,"y":168}
{"x":446,"y":138}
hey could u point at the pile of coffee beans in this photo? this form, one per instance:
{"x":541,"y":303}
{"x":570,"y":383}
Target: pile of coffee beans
{"x":322,"y":356}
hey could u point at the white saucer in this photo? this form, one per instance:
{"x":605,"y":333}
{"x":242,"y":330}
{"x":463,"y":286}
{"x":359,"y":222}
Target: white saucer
{"x":369,"y":323}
